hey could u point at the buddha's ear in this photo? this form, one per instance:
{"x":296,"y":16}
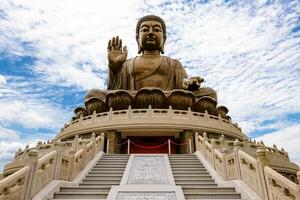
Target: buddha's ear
{"x":162,"y":50}
{"x":139,"y":47}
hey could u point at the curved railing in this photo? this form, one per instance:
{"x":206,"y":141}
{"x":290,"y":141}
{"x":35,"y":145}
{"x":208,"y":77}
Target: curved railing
{"x":254,"y":170}
{"x":157,"y":118}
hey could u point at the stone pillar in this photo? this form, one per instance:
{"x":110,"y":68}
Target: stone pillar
{"x":298,"y":177}
{"x":113,"y":138}
{"x":32,"y":160}
{"x":261,"y":157}
{"x":59,"y":148}
{"x":237,"y":146}
{"x":185,"y":137}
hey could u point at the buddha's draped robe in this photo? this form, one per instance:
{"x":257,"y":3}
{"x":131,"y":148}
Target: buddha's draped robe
{"x":168,"y":75}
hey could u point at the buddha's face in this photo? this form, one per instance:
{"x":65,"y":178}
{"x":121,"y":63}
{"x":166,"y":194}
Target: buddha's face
{"x":151,"y":36}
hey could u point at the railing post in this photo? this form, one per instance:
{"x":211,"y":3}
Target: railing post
{"x":129,"y":112}
{"x":75,"y":144}
{"x":150,"y":115}
{"x":107,"y":146}
{"x":93,"y":139}
{"x":71,"y":153}
{"x":197,"y":142}
{"x":205,"y":139}
{"x":58,"y":148}
{"x":128,"y":146}
{"x":102,"y":142}
{"x":237,"y":146}
{"x":170,"y":112}
{"x":261,"y":157}
{"x":224,"y":155}
{"x":32,"y":161}
{"x":169,"y":146}
{"x":190,"y":145}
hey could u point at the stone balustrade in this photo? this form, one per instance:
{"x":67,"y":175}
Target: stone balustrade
{"x":130,"y":119}
{"x":14,"y":186}
{"x":280,"y":187}
{"x":255,"y":171}
{"x":61,"y":163}
{"x":278,"y":159}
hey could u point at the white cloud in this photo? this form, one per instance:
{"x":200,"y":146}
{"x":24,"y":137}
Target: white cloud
{"x":246,"y":51}
{"x":2,"y":80}
{"x":7,"y":134}
{"x":288,"y":138}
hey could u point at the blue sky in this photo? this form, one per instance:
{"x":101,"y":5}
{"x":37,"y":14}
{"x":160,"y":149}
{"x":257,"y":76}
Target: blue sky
{"x":52,"y":52}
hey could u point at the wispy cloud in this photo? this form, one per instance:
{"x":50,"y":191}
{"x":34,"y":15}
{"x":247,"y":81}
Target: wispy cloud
{"x":288,"y":138}
{"x":249,"y":51}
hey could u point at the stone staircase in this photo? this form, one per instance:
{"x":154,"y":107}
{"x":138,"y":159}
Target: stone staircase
{"x":107,"y":172}
{"x":196,"y":183}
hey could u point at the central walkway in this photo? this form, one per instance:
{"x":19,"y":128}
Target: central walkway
{"x":187,"y":170}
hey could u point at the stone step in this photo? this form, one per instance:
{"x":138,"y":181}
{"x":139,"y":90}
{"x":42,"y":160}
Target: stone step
{"x":213,"y":195}
{"x":176,"y":173}
{"x":83,"y":188}
{"x":96,"y":184}
{"x":187,"y":164}
{"x":106,"y":173}
{"x":200,"y":178}
{"x":104,"y":178}
{"x":185,"y":161}
{"x":203,"y":184}
{"x":181,"y":168}
{"x":192,"y":177}
{"x":109,"y":171}
{"x":196,"y":190}
{"x":102,"y":182}
{"x":109,"y":166}
{"x":80,"y":195}
{"x":198,"y":182}
{"x":112,"y":161}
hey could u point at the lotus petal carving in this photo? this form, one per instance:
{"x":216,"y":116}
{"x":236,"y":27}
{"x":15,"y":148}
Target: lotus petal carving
{"x":181,"y":99}
{"x":205,"y":103}
{"x":222,"y":110}
{"x":119,"y":100}
{"x":80,"y":112}
{"x":150,"y":96}
{"x":95,"y":104}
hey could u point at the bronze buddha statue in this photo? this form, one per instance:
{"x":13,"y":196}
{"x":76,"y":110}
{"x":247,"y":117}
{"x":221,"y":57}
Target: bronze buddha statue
{"x":149,"y":70}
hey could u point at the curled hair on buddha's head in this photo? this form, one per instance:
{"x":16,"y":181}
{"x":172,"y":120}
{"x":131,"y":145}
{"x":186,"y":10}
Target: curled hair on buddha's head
{"x":151,"y":18}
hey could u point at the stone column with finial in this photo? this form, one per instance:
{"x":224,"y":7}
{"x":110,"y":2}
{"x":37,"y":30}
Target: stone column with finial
{"x":32,"y":161}
{"x":237,"y":146}
{"x":262,"y":160}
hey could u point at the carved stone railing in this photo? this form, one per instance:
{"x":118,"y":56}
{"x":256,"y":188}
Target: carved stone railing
{"x":280,"y":187}
{"x":44,"y":172}
{"x":278,"y":159}
{"x":43,"y":149}
{"x":231,"y":167}
{"x":61,"y":163}
{"x":252,"y":170}
{"x":14,"y":186}
{"x":251,"y":173}
{"x":158,"y":118}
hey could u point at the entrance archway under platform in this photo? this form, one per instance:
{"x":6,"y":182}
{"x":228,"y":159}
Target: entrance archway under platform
{"x":147,"y":142}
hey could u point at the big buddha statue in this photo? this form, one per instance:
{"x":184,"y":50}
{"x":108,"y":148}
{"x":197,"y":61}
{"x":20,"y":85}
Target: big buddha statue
{"x":150,"y":77}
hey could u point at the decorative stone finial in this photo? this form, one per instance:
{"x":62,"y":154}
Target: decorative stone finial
{"x":33,"y":153}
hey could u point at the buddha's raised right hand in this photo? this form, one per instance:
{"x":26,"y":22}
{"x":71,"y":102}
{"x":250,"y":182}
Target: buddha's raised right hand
{"x":116,"y":54}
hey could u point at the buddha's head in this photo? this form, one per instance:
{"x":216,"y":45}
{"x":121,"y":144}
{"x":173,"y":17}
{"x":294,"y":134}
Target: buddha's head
{"x":151,"y":33}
